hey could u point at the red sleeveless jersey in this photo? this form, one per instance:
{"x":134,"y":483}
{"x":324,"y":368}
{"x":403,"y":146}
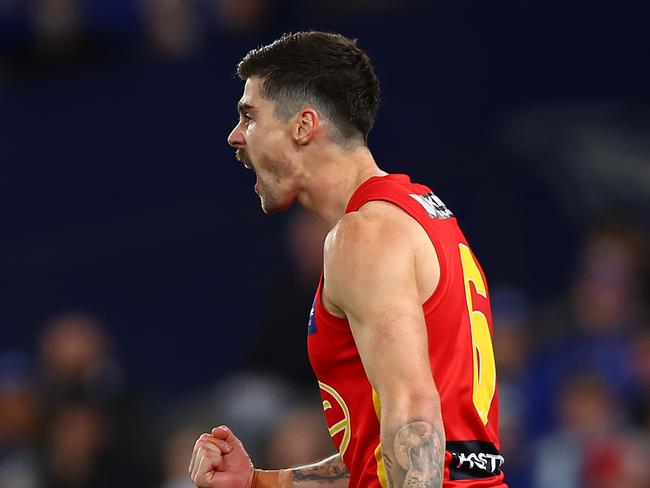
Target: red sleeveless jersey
{"x":459,"y":327}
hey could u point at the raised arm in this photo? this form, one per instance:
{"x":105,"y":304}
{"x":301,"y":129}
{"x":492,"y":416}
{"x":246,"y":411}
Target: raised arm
{"x":370,"y":277}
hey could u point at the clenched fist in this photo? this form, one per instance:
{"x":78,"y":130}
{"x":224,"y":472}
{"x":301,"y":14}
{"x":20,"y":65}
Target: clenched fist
{"x":219,"y":460}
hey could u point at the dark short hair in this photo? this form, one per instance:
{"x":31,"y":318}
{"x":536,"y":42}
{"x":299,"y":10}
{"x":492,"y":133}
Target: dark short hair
{"x":324,"y":70}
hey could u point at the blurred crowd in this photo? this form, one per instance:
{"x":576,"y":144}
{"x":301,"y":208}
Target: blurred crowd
{"x":574,"y":371}
{"x":574,"y":386}
{"x":575,"y":396}
{"x":46,"y":35}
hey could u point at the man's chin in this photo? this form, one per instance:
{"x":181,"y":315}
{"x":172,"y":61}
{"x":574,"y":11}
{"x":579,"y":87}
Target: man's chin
{"x":273,"y":207}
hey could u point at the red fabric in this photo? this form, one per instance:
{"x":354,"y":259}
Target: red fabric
{"x":336,"y":362}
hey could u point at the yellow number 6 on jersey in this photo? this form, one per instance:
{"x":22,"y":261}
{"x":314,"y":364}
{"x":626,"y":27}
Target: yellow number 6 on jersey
{"x":482,"y":353}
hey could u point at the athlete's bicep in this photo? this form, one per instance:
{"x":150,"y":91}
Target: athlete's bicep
{"x":370,"y":276}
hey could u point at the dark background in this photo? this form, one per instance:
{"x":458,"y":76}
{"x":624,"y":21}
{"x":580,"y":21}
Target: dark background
{"x":119,"y":196}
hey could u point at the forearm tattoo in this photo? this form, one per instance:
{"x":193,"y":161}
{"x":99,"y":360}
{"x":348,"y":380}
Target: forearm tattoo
{"x":419,"y":454}
{"x":329,"y":471}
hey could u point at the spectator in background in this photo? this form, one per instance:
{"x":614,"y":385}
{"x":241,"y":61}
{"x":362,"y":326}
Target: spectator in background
{"x":597,"y":331}
{"x":58,"y":25}
{"x":54,"y":38}
{"x":288,"y":307}
{"x":174,"y":465}
{"x":592,"y":447}
{"x":172,"y":27}
{"x":511,"y":323}
{"x":240,"y":17}
{"x":621,"y":462}
{"x":77,"y":451}
{"x":19,"y":423}
{"x":76,"y":360}
{"x":62,"y":39}
{"x":299,"y":437}
{"x":97,"y":434}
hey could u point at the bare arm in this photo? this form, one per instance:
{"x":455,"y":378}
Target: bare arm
{"x":370,"y":276}
{"x":329,"y":473}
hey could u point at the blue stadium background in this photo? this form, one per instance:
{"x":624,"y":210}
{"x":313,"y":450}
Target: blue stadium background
{"x":120,"y":199}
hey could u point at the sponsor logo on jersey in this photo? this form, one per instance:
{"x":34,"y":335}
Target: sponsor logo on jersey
{"x":433,"y":205}
{"x":473,"y":459}
{"x":311,"y":326}
{"x":337,"y":416}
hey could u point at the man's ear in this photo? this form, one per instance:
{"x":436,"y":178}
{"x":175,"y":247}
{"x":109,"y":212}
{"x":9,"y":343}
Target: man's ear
{"x":307,"y":125}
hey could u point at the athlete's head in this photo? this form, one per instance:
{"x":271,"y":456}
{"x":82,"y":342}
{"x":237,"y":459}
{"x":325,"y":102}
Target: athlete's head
{"x":301,"y":87}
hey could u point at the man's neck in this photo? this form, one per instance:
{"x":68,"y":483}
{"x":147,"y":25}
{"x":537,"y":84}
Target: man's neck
{"x":332,"y":181}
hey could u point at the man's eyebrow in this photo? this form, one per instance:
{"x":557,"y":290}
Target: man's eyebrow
{"x":244,"y":107}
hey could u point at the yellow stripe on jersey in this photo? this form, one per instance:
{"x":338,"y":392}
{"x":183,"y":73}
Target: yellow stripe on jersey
{"x":381,"y":469}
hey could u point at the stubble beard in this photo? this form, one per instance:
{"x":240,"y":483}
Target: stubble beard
{"x":269,"y":195}
{"x":268,"y":201}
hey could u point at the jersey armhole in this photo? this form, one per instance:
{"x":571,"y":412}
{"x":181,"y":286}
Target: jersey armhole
{"x":320,"y":305}
{"x":432,"y":301}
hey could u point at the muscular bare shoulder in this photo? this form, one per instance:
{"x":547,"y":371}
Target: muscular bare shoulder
{"x":375,"y":246}
{"x":373,"y":226}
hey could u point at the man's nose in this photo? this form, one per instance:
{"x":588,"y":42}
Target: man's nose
{"x":236,"y":139}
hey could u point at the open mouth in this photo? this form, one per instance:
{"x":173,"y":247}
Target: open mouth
{"x":239,"y":155}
